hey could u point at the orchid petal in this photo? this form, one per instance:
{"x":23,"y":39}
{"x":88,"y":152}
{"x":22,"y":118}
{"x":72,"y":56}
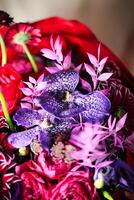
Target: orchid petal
{"x":24,"y":138}
{"x":27,"y":118}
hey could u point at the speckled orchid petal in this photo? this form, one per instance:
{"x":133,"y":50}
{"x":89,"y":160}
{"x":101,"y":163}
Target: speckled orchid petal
{"x":71,"y":112}
{"x":61,"y":126}
{"x":46,"y":140}
{"x":28,"y":118}
{"x":23,"y":138}
{"x":50,"y":104}
{"x":96,"y":106}
{"x":61,"y":81}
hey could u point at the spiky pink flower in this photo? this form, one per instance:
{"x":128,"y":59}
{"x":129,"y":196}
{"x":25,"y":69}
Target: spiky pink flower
{"x":87,"y":139}
{"x":34,"y":88}
{"x":7,"y":177}
{"x":96,"y":68}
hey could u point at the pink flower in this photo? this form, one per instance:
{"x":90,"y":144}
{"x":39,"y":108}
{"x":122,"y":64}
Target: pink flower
{"x":53,"y":168}
{"x":10,"y":84}
{"x":7,"y":178}
{"x":76,"y":185}
{"x":23,"y":66}
{"x":33,"y":186}
{"x":20,"y":33}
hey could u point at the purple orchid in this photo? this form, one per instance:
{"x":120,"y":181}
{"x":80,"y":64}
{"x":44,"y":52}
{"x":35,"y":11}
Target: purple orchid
{"x":61,"y":98}
{"x":92,"y":107}
{"x":118,"y":172}
{"x":40,"y":124}
{"x":61,"y":105}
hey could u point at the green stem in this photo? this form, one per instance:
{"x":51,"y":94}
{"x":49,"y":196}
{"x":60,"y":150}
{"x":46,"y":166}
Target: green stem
{"x":3,"y":51}
{"x":30,"y":57}
{"x":5,"y":110}
{"x":107,"y":195}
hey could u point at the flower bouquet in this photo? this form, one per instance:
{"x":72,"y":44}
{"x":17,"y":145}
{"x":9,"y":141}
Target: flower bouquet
{"x":66,"y":114}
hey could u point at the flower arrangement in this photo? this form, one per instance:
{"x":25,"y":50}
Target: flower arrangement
{"x":66,"y":114}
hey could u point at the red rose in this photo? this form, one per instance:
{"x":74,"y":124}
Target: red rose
{"x":76,"y":185}
{"x":10,"y":83}
{"x":52,"y":167}
{"x":33,"y":186}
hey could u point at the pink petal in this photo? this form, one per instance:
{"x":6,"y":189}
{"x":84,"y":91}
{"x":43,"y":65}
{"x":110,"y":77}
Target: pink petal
{"x":32,"y":80}
{"x":49,"y":54}
{"x":52,"y":70}
{"x":94,"y":79}
{"x":58,"y":48}
{"x":59,"y":55}
{"x":28,"y":99}
{"x":41,"y":77}
{"x":57,"y":44}
{"x":105,"y":76}
{"x":26,"y":91}
{"x":78,"y":68}
{"x":93,"y":59}
{"x":41,"y":86}
{"x":8,"y":177}
{"x":59,"y":66}
{"x":29,"y":85}
{"x":67,"y":61}
{"x":89,"y":69}
{"x":85,"y":84}
{"x":76,"y":130}
{"x":120,"y":124}
{"x":26,"y":105}
{"x":102,"y":63}
{"x":111,"y":124}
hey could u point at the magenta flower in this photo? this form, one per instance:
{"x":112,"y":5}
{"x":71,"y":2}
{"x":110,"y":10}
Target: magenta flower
{"x":7,"y":177}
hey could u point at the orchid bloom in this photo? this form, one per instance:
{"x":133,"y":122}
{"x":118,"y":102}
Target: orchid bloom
{"x":38,"y":123}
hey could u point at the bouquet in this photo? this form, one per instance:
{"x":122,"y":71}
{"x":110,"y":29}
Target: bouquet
{"x":66,"y":114}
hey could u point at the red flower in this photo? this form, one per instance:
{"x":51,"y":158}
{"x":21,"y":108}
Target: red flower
{"x":7,"y":178}
{"x":20,"y":33}
{"x":52,"y":168}
{"x":33,"y":186}
{"x":10,"y":83}
{"x":76,"y":185}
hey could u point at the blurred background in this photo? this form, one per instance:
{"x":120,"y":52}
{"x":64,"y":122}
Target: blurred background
{"x":111,"y":20}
